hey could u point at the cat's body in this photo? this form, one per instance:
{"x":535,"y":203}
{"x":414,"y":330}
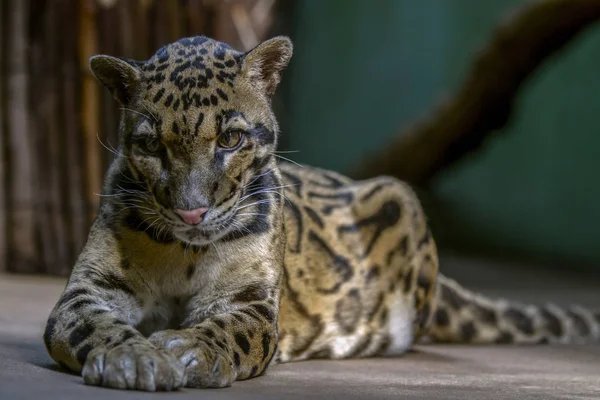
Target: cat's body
{"x":208,"y":260}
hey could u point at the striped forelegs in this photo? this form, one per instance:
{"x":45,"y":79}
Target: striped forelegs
{"x":88,"y":334}
{"x":225,"y":347}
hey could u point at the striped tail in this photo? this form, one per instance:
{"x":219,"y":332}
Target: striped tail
{"x":465,"y":317}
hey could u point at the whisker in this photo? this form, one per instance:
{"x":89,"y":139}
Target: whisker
{"x":288,"y":160}
{"x":134,"y":111}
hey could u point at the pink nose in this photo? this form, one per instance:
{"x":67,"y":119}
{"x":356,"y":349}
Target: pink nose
{"x":192,"y":217}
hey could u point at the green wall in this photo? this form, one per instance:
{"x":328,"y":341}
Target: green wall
{"x":363,"y":70}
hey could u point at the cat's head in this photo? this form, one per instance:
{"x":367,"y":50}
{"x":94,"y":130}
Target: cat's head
{"x":197,"y":127}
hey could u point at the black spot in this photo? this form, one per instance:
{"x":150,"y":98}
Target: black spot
{"x":424,"y":316}
{"x":242,"y":342}
{"x":487,"y":315}
{"x":383,"y":317}
{"x":253,"y":372}
{"x":408,"y":279}
{"x":190,"y":271}
{"x":266,"y":345}
{"x":384,"y":344}
{"x":295,"y":247}
{"x":374,"y":190}
{"x":169,"y":100}
{"x":49,"y":332}
{"x":238,"y":318}
{"x":209,"y":333}
{"x":339,"y":264}
{"x":468,"y":331}
{"x":344,"y":197}
{"x":127,"y":335}
{"x":521,"y":320}
{"x":222,"y":94}
{"x":579,"y":323}
{"x":219,"y":323}
{"x":299,"y":273}
{"x":348,"y":311}
{"x":112,"y":281}
{"x":376,"y":307}
{"x":553,"y":323}
{"x":452,"y":297}
{"x":314,"y":216}
{"x":425,"y":239}
{"x":401,"y":248}
{"x":372,"y":274}
{"x":424,"y":282}
{"x":81,"y":333}
{"x":250,"y":293}
{"x":176,"y":105}
{"x":236,"y":359}
{"x":158,"y":95}
{"x":219,"y":65}
{"x":213,"y":99}
{"x":83,"y":353}
{"x":387,"y":216}
{"x":265,"y":311}
{"x":504,"y":338}
{"x":175,"y":127}
{"x":363,"y":345}
{"x":230,"y":63}
{"x":198,"y":123}
{"x":442,"y":319}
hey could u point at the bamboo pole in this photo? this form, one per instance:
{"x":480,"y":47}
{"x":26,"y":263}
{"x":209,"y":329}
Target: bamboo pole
{"x":88,"y":46}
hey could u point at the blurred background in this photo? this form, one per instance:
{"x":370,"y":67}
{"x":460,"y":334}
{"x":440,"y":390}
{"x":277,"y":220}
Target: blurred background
{"x":488,"y":107}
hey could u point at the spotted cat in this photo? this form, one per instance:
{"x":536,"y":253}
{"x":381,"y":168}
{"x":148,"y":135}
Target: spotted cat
{"x":209,"y":261}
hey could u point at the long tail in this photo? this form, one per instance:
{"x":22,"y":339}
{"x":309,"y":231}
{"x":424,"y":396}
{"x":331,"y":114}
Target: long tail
{"x":463,"y":316}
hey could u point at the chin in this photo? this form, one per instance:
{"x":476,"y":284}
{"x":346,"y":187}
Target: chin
{"x":199,"y":237}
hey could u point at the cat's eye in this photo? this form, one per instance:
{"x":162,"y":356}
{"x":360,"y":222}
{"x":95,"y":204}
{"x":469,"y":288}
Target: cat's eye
{"x":152,"y":145}
{"x":230,"y":139}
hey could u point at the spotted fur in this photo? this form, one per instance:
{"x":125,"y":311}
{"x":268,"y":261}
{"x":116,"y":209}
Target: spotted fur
{"x":288,"y":263}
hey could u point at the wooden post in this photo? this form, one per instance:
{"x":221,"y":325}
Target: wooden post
{"x":3,"y":191}
{"x":22,"y":249}
{"x":78,"y":221}
{"x":90,"y":107}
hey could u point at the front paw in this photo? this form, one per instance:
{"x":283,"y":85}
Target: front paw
{"x":206,"y":366}
{"x":136,"y":366}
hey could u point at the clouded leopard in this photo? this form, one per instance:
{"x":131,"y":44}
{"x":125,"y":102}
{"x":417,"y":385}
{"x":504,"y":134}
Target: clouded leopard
{"x":209,"y":260}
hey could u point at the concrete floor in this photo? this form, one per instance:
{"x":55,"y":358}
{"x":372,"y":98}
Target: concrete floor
{"x":429,"y":372}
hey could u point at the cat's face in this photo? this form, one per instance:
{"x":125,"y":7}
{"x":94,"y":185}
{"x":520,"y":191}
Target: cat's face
{"x":197,"y":129}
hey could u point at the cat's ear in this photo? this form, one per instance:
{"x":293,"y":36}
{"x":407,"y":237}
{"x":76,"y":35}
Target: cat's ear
{"x":264,"y":64}
{"x":119,"y":75}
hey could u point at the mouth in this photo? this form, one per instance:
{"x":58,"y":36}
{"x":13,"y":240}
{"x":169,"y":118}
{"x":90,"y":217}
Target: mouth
{"x":205,"y":232}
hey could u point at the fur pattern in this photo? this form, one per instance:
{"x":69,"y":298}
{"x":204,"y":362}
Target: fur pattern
{"x":288,"y":263}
